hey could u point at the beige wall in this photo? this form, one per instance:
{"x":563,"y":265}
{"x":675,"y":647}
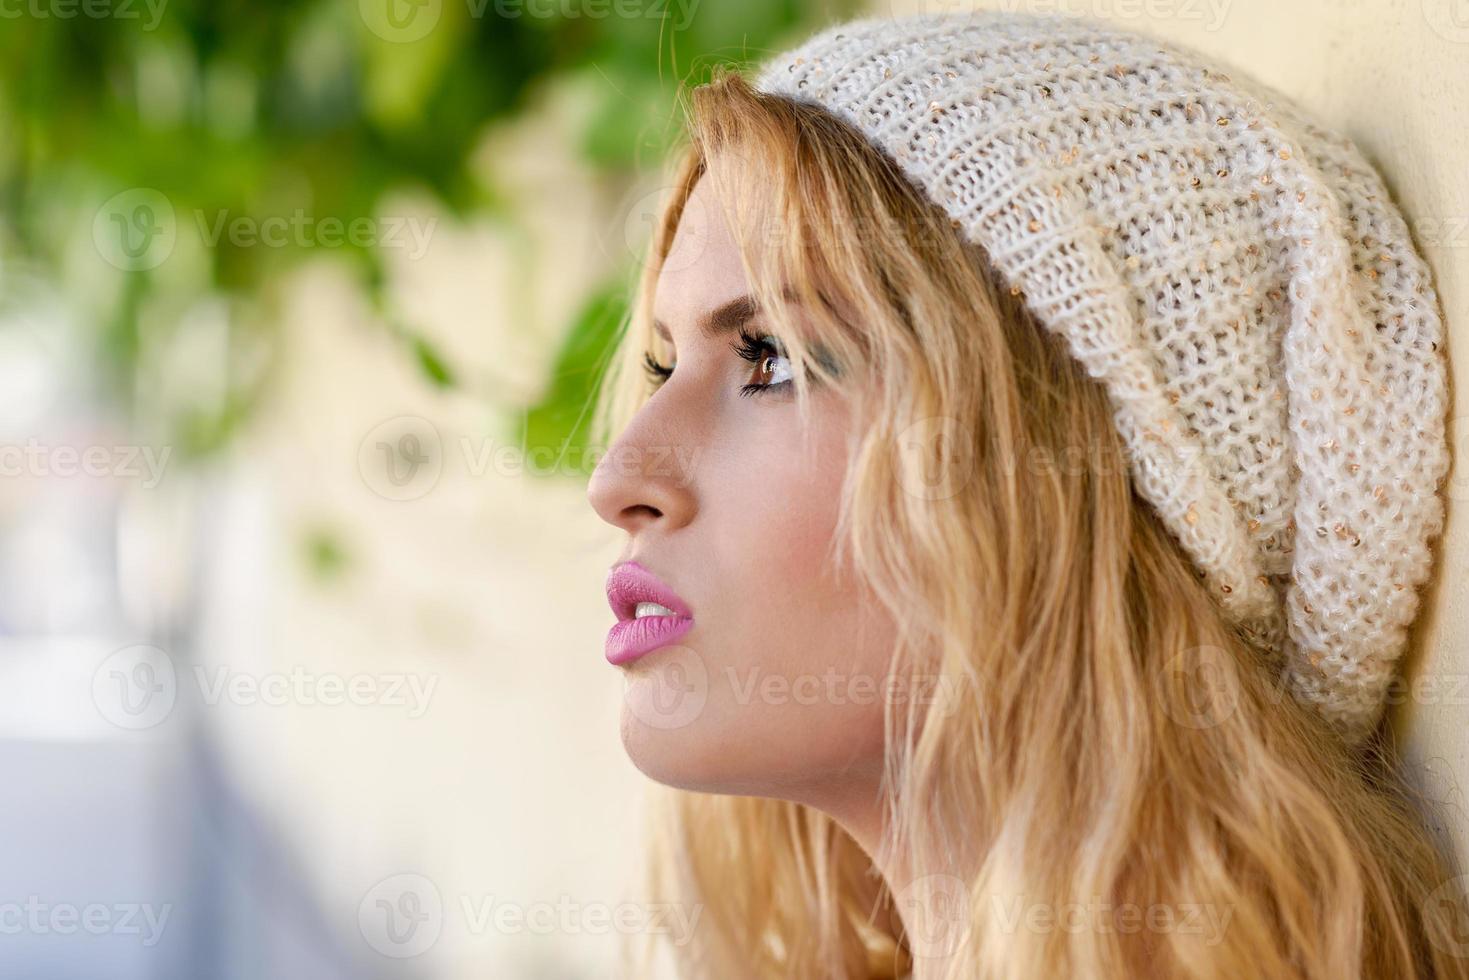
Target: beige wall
{"x":1394,"y":76}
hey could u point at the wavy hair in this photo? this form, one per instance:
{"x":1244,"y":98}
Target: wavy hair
{"x":1107,"y":748}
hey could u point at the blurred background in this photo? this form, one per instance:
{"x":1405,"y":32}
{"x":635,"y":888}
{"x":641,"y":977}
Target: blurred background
{"x":301,"y":608}
{"x":301,"y":306}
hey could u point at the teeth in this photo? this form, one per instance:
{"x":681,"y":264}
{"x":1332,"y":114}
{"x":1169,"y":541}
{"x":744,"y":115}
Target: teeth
{"x":651,"y":609}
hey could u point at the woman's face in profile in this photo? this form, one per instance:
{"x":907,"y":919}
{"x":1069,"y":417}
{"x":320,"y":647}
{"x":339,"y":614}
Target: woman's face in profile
{"x":777,"y":686}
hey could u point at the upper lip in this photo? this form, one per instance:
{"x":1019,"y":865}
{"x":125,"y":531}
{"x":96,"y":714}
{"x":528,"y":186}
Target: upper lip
{"x":629,"y":583}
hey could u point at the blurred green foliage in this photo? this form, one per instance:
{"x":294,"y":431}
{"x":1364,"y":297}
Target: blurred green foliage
{"x":266,"y":107}
{"x":327,"y":555}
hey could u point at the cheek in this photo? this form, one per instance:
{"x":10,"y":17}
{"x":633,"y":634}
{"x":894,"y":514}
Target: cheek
{"x":781,"y":681}
{"x":779,"y":602}
{"x":773,"y":545}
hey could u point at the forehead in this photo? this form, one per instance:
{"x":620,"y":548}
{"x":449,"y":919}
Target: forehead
{"x":703,"y":269}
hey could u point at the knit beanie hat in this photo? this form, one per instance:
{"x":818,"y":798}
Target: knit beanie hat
{"x":1234,"y":274}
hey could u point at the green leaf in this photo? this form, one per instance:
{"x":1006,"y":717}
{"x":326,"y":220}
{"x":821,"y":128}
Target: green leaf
{"x":433,"y":366}
{"x":560,"y":421}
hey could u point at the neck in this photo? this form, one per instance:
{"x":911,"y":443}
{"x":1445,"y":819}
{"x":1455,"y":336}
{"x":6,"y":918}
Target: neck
{"x":930,"y":898}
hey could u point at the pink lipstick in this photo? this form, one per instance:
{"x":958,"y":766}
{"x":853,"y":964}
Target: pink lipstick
{"x":633,"y":590}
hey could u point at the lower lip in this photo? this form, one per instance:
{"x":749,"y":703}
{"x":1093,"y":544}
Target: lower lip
{"x":631,"y":638}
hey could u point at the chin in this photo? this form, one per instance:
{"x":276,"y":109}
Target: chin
{"x":688,"y":756}
{"x":745,"y":753}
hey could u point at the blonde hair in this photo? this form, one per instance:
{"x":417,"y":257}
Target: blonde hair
{"x":1105,"y":737}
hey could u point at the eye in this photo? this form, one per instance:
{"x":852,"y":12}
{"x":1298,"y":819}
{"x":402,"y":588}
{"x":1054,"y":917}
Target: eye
{"x":657,"y":373}
{"x":772,"y":367}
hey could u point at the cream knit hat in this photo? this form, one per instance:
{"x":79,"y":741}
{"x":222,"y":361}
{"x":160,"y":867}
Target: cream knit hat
{"x":1234,"y":274}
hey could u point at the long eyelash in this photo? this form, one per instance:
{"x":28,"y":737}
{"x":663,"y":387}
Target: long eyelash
{"x":657,"y":373}
{"x":754,"y":349}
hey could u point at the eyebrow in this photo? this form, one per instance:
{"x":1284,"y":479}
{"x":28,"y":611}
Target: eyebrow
{"x":723,"y":319}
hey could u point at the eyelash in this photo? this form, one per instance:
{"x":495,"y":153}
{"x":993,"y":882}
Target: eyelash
{"x":756,"y":349}
{"x":657,"y":373}
{"x":750,"y":347}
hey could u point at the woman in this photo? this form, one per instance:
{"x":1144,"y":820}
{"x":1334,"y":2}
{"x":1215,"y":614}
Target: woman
{"x":1027,"y":439}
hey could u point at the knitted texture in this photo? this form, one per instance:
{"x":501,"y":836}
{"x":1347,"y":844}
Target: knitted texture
{"x":1235,"y":275}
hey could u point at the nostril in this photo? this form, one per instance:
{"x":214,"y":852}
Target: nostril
{"x":635,"y":500}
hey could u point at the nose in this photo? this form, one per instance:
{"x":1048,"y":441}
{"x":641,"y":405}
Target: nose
{"x":645,"y":480}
